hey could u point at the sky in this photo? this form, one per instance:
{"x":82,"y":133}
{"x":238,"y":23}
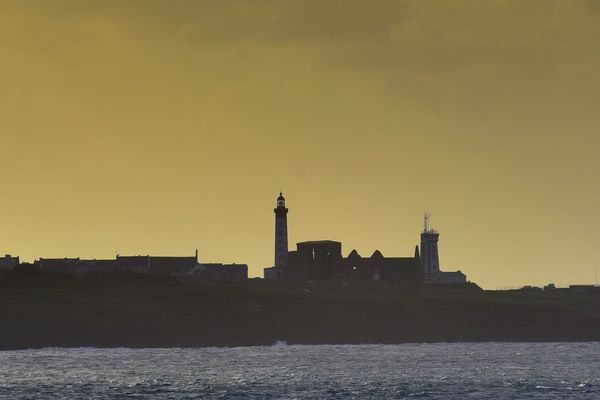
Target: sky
{"x":159,"y":127}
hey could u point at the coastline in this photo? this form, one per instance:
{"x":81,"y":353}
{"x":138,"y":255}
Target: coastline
{"x":41,"y":310}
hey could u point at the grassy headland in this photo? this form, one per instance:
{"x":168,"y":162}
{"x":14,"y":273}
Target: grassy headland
{"x":46,"y":309}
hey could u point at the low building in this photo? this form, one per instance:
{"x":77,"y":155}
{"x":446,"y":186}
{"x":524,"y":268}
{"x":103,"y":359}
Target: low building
{"x":157,"y":265}
{"x":146,"y":264}
{"x":220,"y":272}
{"x":446,"y":277}
{"x":8,"y":262}
{"x":75,"y":265}
{"x":133,"y":264}
{"x":68,"y":265}
{"x":587,"y":289}
{"x":316,"y":260}
{"x":322,"y":260}
{"x":183,"y":267}
{"x":99,"y":266}
{"x":171,"y":265}
{"x":398,"y":270}
{"x":273,"y":273}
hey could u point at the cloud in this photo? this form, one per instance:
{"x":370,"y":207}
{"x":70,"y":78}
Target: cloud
{"x":402,"y":28}
{"x":427,"y":48}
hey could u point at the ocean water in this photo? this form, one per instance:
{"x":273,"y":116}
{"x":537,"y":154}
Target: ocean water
{"x":420,"y":371}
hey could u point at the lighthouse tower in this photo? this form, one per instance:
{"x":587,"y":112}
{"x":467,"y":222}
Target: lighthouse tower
{"x":281,"y":237}
{"x":429,"y":250}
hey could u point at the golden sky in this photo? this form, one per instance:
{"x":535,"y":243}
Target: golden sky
{"x":163,"y":126}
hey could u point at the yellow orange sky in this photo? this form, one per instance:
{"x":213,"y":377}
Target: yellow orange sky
{"x":163,"y":126}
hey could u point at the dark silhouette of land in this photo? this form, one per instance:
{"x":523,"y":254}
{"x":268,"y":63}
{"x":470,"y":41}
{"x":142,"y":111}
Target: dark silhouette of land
{"x":41,"y":309}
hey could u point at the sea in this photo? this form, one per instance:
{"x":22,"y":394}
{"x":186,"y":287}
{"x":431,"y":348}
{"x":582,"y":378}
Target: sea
{"x":407,"y":371}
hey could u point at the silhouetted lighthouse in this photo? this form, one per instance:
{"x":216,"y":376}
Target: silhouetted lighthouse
{"x":281,"y":239}
{"x":429,"y":250}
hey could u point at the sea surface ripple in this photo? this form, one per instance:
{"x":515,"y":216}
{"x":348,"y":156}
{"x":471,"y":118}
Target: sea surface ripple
{"x":419,"y":371}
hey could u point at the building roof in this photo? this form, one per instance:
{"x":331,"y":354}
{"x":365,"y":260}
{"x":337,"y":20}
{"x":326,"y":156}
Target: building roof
{"x":450,"y":273}
{"x":56,"y":261}
{"x":173,"y":260}
{"x":320,"y":242}
{"x":132,"y":257}
{"x":377,"y":254}
{"x":354,"y":254}
{"x":220,"y":265}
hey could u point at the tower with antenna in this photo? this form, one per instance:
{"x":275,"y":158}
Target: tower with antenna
{"x":429,"y":248}
{"x":281,"y":236}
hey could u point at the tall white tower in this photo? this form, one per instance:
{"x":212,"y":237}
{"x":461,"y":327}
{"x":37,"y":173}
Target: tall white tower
{"x":429,"y":249}
{"x":281,"y":237}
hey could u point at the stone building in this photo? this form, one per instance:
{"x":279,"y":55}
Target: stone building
{"x":322,"y":260}
{"x":315,"y":261}
{"x":386,"y":269}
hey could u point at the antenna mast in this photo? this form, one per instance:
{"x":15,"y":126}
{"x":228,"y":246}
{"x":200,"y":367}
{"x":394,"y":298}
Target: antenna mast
{"x":426,"y":222}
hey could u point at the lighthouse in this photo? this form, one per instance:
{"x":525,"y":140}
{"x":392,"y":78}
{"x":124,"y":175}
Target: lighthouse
{"x":430,"y":259}
{"x":429,"y":249}
{"x":281,"y":237}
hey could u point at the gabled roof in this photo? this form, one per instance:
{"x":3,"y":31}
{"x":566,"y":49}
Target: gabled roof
{"x":377,"y":254}
{"x":354,"y":254}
